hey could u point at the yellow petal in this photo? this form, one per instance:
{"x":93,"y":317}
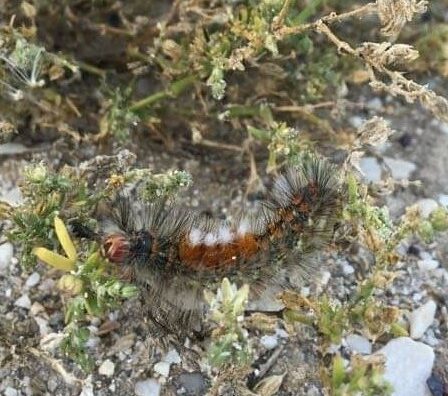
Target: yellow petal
{"x":54,"y":259}
{"x":64,"y":238}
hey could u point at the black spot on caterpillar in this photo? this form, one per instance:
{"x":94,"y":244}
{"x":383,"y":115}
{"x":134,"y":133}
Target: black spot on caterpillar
{"x":173,"y":254}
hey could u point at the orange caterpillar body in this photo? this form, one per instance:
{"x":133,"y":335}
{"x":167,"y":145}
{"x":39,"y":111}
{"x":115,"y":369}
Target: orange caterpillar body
{"x":174,"y":254}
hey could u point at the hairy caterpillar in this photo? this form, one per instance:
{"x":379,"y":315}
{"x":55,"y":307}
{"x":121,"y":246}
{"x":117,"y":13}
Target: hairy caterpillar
{"x":173,"y":253}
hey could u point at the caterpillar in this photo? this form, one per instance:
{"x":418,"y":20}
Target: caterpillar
{"x":173,"y":253}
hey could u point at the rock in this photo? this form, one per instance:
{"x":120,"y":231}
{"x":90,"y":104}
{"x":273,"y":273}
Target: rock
{"x":427,"y":264}
{"x":162,"y":368}
{"x":32,"y":280}
{"x":359,"y":344}
{"x":107,"y":368}
{"x":375,"y":104}
{"x":36,"y":308}
{"x":408,"y":365}
{"x":400,"y":169}
{"x":6,"y":252}
{"x":149,"y":387}
{"x":422,"y":318}
{"x":281,"y":333}
{"x":266,"y":302}
{"x":324,"y":278}
{"x":23,"y":302}
{"x":43,"y":326}
{"x":12,"y":148}
{"x":87,"y":389}
{"x":51,"y":341}
{"x":356,"y":121}
{"x":443,"y":200}
{"x":347,"y":269}
{"x":371,"y":169}
{"x":11,"y":391}
{"x":172,"y":357}
{"x":269,"y":342}
{"x":427,"y":206}
{"x":193,"y":383}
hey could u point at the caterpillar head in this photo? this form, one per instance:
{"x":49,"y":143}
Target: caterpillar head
{"x":124,"y":249}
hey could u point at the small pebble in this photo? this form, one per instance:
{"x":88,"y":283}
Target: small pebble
{"x":408,"y":366}
{"x":36,"y":308}
{"x":375,"y":104}
{"x":192,"y":383}
{"x":422,"y":318}
{"x":172,"y":357}
{"x":23,"y":302}
{"x":356,"y":121}
{"x":347,"y":269}
{"x":371,"y":169}
{"x":400,"y":169}
{"x":149,"y":387}
{"x":281,"y":333}
{"x":6,"y":252}
{"x":87,"y":389}
{"x":107,"y":368}
{"x":44,"y":329}
{"x":325,"y":278}
{"x":427,"y":264}
{"x":443,"y":200}
{"x":359,"y":344}
{"x":11,"y":391}
{"x":162,"y":368}
{"x":269,"y":342}
{"x":427,"y":206}
{"x":32,"y":280}
{"x":12,"y":148}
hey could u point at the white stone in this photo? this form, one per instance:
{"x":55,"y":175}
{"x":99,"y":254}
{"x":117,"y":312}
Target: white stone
{"x":172,"y":357}
{"x":428,"y":264}
{"x":12,"y":148}
{"x":11,"y":391}
{"x":325,"y":278}
{"x":162,"y":368}
{"x":51,"y":341}
{"x":269,"y":342}
{"x":371,"y":169}
{"x":400,"y":169}
{"x":6,"y":252}
{"x":443,"y":199}
{"x":23,"y":302}
{"x":107,"y":368}
{"x":87,"y":389}
{"x":266,"y":302}
{"x":359,"y":344}
{"x":347,"y":269}
{"x":408,"y":366}
{"x":305,"y":291}
{"x":422,"y":318}
{"x":427,"y":206}
{"x":32,"y":280}
{"x":375,"y":104}
{"x":357,"y":121}
{"x":444,"y":127}
{"x":44,"y":329}
{"x":281,"y":333}
{"x":149,"y":387}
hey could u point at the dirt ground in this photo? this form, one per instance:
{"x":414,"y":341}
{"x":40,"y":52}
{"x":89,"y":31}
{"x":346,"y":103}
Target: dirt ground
{"x":125,"y":356}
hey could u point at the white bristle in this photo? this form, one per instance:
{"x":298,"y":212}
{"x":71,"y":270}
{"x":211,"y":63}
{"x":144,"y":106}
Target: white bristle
{"x":224,"y":234}
{"x":195,"y":236}
{"x":210,"y":239}
{"x":243,"y":227}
